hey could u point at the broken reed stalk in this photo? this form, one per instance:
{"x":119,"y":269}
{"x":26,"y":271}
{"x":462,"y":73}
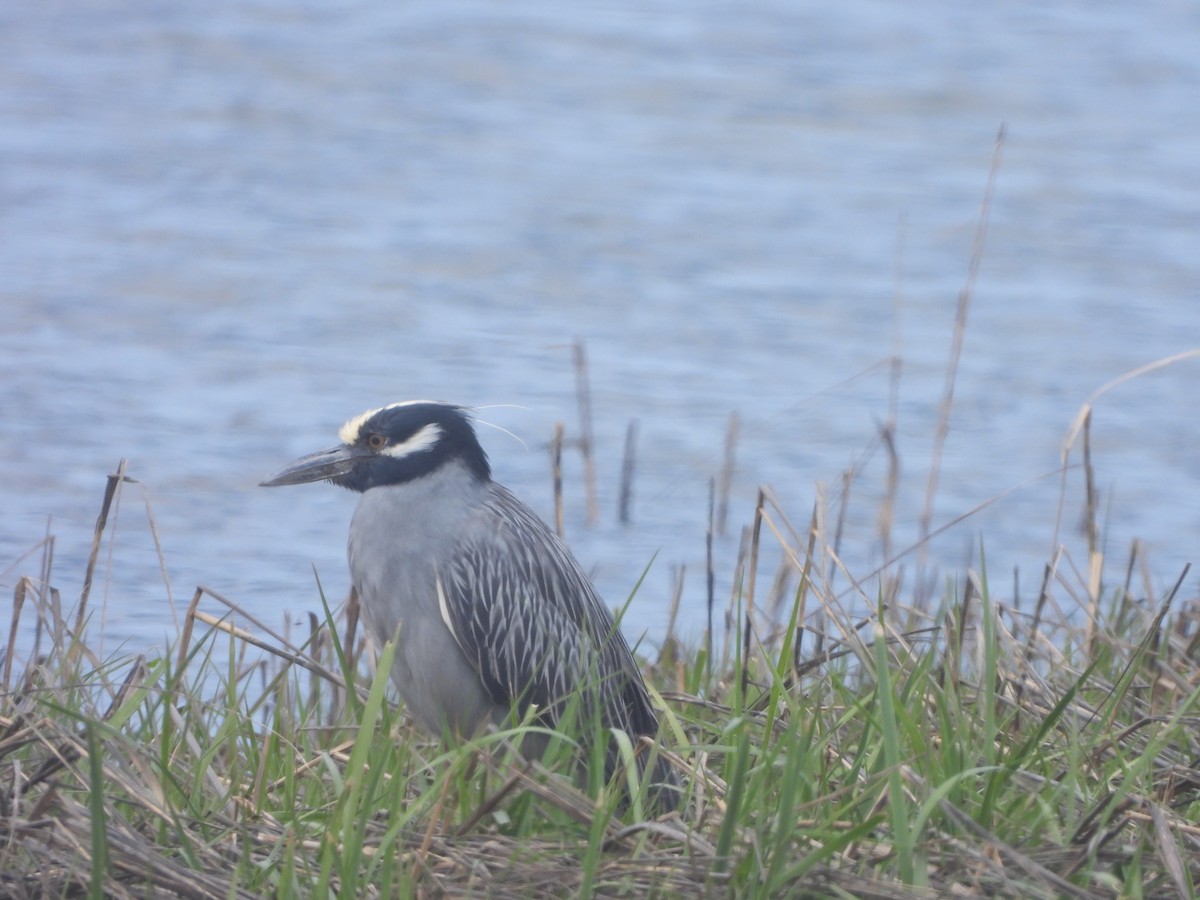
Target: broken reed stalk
{"x":887,"y":430}
{"x":350,"y":642}
{"x":10,"y":651}
{"x":678,"y":577}
{"x":628,"y":463}
{"x":735,"y":592}
{"x":583,"y":394}
{"x":43,"y":588}
{"x":732,"y":429}
{"x":1135,"y":553}
{"x":1080,"y":423}
{"x":1039,"y":608}
{"x":1095,"y":559}
{"x":817,"y":538}
{"x":750,"y":580}
{"x":162,"y":557}
{"x":110,"y":495}
{"x":185,"y":637}
{"x":778,"y":593}
{"x":556,"y":476}
{"x":963,"y":624}
{"x":709,"y":573}
{"x":843,"y":508}
{"x":804,"y":589}
{"x":887,"y":506}
{"x":956,"y":344}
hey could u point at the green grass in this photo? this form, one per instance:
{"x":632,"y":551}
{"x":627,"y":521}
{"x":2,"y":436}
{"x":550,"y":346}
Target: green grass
{"x":962,"y":746}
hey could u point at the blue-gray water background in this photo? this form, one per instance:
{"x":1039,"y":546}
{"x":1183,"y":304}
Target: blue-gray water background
{"x":226,"y":228}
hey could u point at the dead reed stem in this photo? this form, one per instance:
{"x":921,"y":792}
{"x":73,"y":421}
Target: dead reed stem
{"x":556,"y":475}
{"x":728,"y":465}
{"x":587,"y":446}
{"x":628,"y":464}
{"x":956,"y":344}
{"x":751,"y":577}
{"x":709,"y":573}
{"x":110,"y":496}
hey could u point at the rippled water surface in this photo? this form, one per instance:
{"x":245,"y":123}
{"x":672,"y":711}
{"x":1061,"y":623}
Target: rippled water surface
{"x":223,"y":230}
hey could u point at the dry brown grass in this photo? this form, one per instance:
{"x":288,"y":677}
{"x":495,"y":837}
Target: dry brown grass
{"x":966,"y":749}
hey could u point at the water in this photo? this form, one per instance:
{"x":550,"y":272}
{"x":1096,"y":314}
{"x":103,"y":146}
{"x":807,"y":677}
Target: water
{"x":225,"y":230}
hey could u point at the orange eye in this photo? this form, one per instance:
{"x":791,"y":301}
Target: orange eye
{"x":376,"y":441}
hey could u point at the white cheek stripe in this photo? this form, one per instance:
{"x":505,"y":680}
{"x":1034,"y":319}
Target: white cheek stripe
{"x":422,"y":440}
{"x":349,"y":433}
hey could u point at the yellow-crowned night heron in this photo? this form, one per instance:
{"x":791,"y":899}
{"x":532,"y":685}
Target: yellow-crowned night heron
{"x":494,"y":612}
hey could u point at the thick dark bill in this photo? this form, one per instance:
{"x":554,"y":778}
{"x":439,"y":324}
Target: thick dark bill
{"x":315,"y":467}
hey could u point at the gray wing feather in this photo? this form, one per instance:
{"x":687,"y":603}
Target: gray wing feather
{"x":532,"y":625}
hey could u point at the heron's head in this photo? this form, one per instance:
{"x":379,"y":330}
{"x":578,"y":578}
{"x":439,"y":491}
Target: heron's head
{"x":392,"y":445}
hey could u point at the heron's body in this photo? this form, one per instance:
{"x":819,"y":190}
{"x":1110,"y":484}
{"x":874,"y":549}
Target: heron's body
{"x":491,"y":611}
{"x":439,"y":686}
